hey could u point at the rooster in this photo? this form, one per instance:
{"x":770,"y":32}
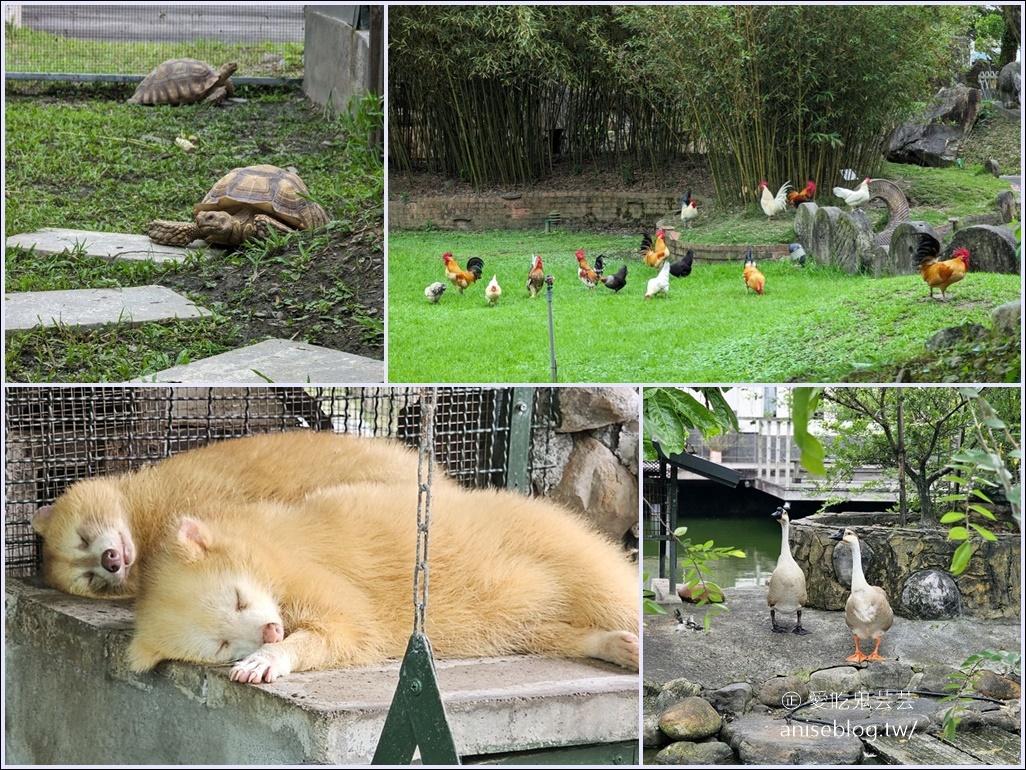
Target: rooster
{"x":617,"y":280}
{"x":940,"y":274}
{"x":493,"y":291}
{"x":661,"y":283}
{"x":798,"y":197}
{"x":600,"y":265}
{"x":688,"y":208}
{"x":460,"y":278}
{"x":854,"y":198}
{"x":682,"y":267}
{"x":754,"y":279}
{"x":655,"y":251}
{"x":434,"y":292}
{"x":773,"y":204}
{"x":588,"y":276}
{"x":536,"y":276}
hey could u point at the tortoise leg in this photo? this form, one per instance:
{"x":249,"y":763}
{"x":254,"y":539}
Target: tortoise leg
{"x":265,"y":226}
{"x":219,"y":94}
{"x":172,"y":233}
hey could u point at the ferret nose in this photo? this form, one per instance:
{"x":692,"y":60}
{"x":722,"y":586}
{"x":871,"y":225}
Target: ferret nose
{"x":111,"y":560}
{"x":273,"y":633}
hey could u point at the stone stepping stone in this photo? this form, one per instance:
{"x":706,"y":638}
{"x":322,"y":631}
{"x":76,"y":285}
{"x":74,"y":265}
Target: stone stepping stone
{"x":95,"y":308}
{"x":277,"y":361}
{"x":54,"y":240}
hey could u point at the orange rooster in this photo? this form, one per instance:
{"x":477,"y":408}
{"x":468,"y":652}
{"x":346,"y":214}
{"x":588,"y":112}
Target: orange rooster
{"x":798,"y":197}
{"x":460,"y":278}
{"x":940,"y":274}
{"x":536,"y":277}
{"x":754,"y":279}
{"x":588,"y":276}
{"x":655,"y":251}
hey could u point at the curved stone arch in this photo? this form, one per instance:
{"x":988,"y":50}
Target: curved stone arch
{"x":897,"y":207}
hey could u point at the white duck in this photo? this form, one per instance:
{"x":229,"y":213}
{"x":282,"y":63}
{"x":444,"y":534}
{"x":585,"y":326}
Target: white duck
{"x":867,"y":611}
{"x":854,"y":198}
{"x":787,"y":583}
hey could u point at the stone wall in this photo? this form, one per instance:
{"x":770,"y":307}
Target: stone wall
{"x":593,"y":457}
{"x":531,"y":211}
{"x":989,"y":588}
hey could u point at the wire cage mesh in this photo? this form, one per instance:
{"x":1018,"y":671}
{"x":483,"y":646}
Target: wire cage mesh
{"x":83,"y":40}
{"x":55,"y":436}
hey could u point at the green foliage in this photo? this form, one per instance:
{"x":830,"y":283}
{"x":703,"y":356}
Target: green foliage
{"x":964,"y":678}
{"x":804,"y":401}
{"x":670,"y":413}
{"x":649,"y":605}
{"x":695,"y":558}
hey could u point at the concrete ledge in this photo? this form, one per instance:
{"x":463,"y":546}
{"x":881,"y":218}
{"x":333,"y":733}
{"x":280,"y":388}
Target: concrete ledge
{"x":55,"y":240}
{"x":95,"y":308}
{"x":278,"y":361}
{"x":70,"y":700}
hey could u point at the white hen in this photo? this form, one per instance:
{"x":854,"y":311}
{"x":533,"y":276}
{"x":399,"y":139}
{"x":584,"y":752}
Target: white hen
{"x":493,"y":291}
{"x":856,"y":197}
{"x":773,"y":204}
{"x":661,"y":283}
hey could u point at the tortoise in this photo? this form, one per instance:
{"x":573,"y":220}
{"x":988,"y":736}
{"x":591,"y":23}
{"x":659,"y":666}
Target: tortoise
{"x":245,"y":203}
{"x":184,"y":81}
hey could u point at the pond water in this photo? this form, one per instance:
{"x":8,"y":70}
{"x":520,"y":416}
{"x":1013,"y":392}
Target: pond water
{"x":757,"y":536}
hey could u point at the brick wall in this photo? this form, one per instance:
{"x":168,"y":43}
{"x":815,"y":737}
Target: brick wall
{"x":529,"y":211}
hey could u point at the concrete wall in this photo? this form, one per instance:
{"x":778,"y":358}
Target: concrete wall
{"x":69,"y":699}
{"x":337,"y":57}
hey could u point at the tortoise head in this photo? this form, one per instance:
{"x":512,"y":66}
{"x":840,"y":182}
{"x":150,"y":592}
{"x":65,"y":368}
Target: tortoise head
{"x":221,"y":227}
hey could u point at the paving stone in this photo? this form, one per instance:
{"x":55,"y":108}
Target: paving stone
{"x":94,"y":308}
{"x":54,"y":240}
{"x":277,"y":361}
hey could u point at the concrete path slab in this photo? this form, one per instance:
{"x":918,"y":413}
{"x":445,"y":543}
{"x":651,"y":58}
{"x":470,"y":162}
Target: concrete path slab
{"x":277,"y":361}
{"x":94,"y":308}
{"x":54,"y":240}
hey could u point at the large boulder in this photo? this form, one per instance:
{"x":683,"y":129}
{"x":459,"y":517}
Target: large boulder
{"x":904,"y":242}
{"x":935,"y":141}
{"x":931,"y":594}
{"x":991,"y":248}
{"x":1010,"y":85}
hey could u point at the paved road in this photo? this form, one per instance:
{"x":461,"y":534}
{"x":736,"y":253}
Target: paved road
{"x":163,"y":23}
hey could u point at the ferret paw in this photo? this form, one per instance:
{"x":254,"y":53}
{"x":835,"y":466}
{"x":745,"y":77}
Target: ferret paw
{"x":264,"y":665}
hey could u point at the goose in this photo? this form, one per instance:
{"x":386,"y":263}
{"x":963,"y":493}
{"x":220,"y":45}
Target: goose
{"x":867,"y":611}
{"x":787,"y":583}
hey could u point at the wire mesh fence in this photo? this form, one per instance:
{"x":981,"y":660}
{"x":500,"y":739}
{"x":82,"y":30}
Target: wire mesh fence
{"x":56,"y":436}
{"x":101,"y":42}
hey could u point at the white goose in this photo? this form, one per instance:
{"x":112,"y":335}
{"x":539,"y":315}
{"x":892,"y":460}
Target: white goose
{"x":787,"y":583}
{"x":867,"y":611}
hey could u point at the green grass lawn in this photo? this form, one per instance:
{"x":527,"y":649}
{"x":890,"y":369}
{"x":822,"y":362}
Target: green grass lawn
{"x":813,"y":324}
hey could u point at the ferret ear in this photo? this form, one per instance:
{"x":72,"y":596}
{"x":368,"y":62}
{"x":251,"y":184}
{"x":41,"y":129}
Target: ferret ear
{"x":42,"y":519}
{"x":193,"y":538}
{"x":141,"y":657}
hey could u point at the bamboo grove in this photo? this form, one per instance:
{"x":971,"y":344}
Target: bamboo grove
{"x":498,"y":94}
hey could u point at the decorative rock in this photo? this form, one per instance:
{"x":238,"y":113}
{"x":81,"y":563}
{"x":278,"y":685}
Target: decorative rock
{"x":992,"y":248}
{"x":675,"y":691}
{"x":992,"y":685}
{"x":897,"y":207}
{"x":594,"y":481}
{"x":1007,"y":319}
{"x":651,"y":736}
{"x":842,"y":562}
{"x":819,"y":245}
{"x":834,"y":681}
{"x":590,"y":408}
{"x":991,"y":167}
{"x":904,"y":242}
{"x":936,"y":677}
{"x":1009,"y":209}
{"x":690,"y":719}
{"x":931,"y":595}
{"x":885,"y":675}
{"x":945,"y":339}
{"x":783,"y":692}
{"x":936,"y":142}
{"x":1010,"y":85}
{"x":765,"y":741}
{"x":852,"y":241}
{"x":692,"y":594}
{"x":688,"y":753}
{"x":731,"y":699}
{"x":803,"y":219}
